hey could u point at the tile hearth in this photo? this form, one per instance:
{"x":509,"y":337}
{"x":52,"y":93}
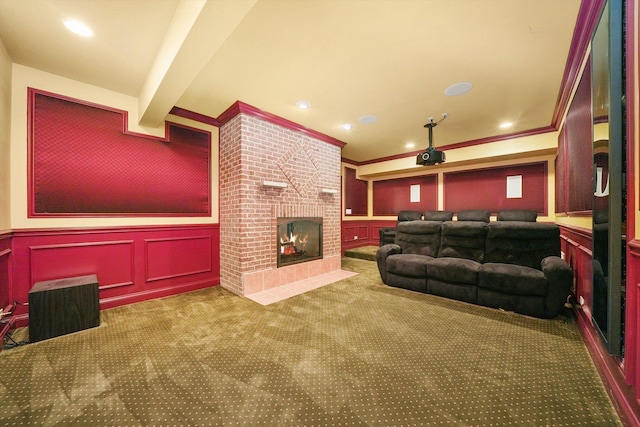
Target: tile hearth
{"x":283,"y":292}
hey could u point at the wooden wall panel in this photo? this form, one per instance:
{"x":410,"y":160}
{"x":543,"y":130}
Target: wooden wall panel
{"x":111,"y":261}
{"x":5,"y":270}
{"x":132,"y":263}
{"x":576,"y":246}
{"x":393,"y":195}
{"x":178,"y":256}
{"x":362,"y":233}
{"x":486,"y":188}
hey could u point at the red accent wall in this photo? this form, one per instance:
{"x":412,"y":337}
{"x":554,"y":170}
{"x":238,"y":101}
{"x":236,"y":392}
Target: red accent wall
{"x":132,"y":263}
{"x":84,"y":162}
{"x":393,"y":195}
{"x":355,"y":193}
{"x":487,"y":188}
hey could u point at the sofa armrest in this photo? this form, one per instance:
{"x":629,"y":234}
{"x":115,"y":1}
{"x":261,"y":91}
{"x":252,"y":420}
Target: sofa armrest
{"x":387,"y":235}
{"x":560,"y":279}
{"x":381,"y":258}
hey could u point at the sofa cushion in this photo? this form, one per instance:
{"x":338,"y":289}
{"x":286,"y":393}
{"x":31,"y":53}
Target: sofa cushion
{"x":467,"y":293}
{"x":409,"y":265}
{"x":419,"y":237}
{"x":474,"y":215}
{"x":512,"y":279}
{"x":454,"y":270}
{"x":517,"y":215}
{"x":463,"y":239}
{"x":523,"y":243}
{"x":529,"y":305}
{"x":418,"y":284}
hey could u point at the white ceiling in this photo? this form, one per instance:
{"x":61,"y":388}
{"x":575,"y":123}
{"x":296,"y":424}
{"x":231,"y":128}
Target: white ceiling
{"x":349,"y":58}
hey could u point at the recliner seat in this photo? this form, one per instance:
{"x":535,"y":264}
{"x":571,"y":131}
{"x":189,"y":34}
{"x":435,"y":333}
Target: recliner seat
{"x":510,"y":265}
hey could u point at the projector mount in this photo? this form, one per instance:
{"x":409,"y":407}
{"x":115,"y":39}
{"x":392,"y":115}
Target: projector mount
{"x":433,"y":124}
{"x":431,"y":156}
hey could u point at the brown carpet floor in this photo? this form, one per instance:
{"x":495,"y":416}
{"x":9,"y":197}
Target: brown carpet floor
{"x":353,"y":353}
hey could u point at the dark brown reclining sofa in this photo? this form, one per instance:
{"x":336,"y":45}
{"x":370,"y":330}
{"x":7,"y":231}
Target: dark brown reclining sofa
{"x":512,"y":264}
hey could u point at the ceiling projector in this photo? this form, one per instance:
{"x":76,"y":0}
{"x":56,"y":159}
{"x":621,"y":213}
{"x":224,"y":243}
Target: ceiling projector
{"x":431,"y":156}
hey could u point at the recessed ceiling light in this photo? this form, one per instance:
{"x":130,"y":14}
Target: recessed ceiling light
{"x":410,"y":145}
{"x":303,"y":105}
{"x":79,"y":28}
{"x":505,"y":125}
{"x":458,"y":89}
{"x":347,"y":126}
{"x":367,"y":120}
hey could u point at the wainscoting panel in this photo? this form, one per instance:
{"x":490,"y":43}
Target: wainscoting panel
{"x":178,"y":257}
{"x":362,"y":233}
{"x":111,"y":261}
{"x":576,"y":246}
{"x":132,"y":263}
{"x":5,"y":269}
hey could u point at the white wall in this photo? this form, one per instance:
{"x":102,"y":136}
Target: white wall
{"x":5,"y":138}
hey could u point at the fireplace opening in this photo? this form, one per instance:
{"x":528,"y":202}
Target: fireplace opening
{"x":299,"y":240}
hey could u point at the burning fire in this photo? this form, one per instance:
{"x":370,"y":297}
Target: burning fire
{"x":293,"y":243}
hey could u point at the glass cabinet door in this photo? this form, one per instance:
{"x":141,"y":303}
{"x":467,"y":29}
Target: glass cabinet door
{"x":609,"y":198}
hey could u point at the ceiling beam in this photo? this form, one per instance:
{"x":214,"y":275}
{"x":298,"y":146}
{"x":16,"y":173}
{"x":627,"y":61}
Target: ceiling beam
{"x":198,"y":29}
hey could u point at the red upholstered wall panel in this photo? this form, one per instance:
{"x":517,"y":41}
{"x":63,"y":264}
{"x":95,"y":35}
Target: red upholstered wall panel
{"x":579,"y":140}
{"x":561,"y":173}
{"x":393,"y":195}
{"x":356,"y":192}
{"x":84,"y":162}
{"x":487,"y":188}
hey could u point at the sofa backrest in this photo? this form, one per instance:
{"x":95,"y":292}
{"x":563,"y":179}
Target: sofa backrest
{"x":419,"y":237}
{"x":517,"y":215}
{"x":438,"y":215}
{"x":463,"y":239}
{"x":522,"y":243}
{"x":474,"y":215}
{"x":409,"y":215}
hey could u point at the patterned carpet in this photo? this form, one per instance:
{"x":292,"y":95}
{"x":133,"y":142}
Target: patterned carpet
{"x":353,"y":353}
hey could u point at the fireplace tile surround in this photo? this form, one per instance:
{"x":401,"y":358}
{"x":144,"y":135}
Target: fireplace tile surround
{"x":253,"y":150}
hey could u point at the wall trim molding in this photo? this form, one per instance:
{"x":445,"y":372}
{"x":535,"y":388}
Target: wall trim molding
{"x":463,"y":144}
{"x":240,"y":107}
{"x":586,"y":23}
{"x":192,"y":115}
{"x":33,"y":232}
{"x":151,"y":294}
{"x":581,"y":231}
{"x":610,"y":371}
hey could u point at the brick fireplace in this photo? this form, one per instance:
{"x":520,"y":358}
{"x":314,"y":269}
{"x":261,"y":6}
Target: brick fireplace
{"x":270,"y":170}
